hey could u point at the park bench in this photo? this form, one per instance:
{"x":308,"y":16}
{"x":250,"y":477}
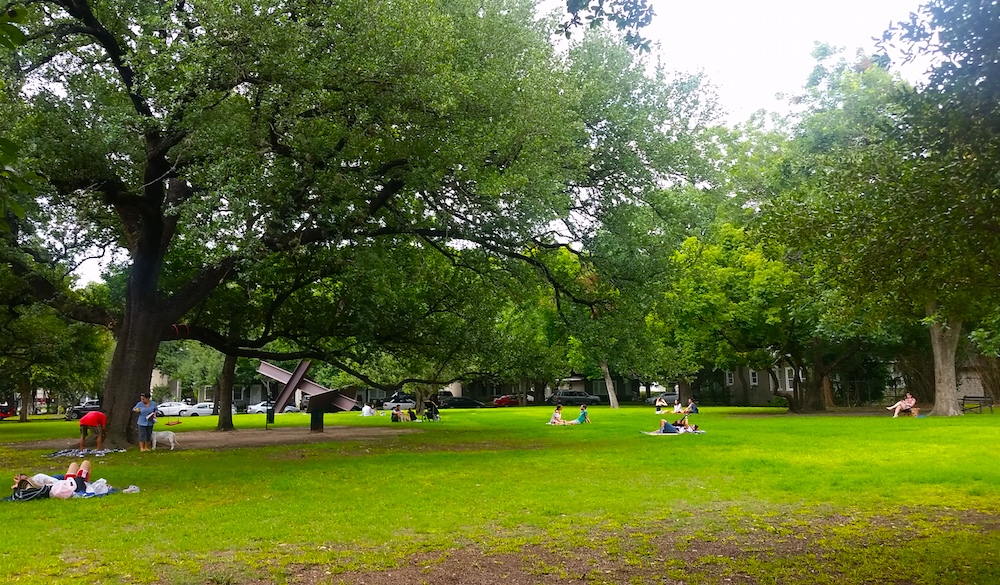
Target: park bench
{"x":976,"y":403}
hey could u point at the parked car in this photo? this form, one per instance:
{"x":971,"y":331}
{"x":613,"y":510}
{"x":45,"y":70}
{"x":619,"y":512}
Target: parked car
{"x":170,"y":408}
{"x":261,"y":408}
{"x":511,"y":400}
{"x":200,"y":409}
{"x":573,"y":397}
{"x":403,"y":400}
{"x":668,"y":396}
{"x":460,"y":402}
{"x":76,"y":412}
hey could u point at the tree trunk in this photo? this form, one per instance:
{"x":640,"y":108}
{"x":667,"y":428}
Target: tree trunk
{"x":828,"y":392}
{"x":612,"y":397}
{"x":522,"y":391}
{"x":24,"y":389}
{"x":944,"y":341}
{"x":684,"y":391}
{"x":130,"y":372}
{"x":793,"y":403}
{"x":537,"y":392}
{"x":226,"y":394}
{"x":808,"y":391}
{"x":215,"y":398}
{"x":744,"y":387}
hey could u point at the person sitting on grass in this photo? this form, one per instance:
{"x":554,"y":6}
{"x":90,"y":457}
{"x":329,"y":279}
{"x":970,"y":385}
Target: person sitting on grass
{"x":904,"y":405}
{"x":678,"y":409}
{"x":691,"y":408}
{"x":660,"y":403}
{"x":584,"y":417}
{"x":397,"y":414}
{"x":557,"y":416}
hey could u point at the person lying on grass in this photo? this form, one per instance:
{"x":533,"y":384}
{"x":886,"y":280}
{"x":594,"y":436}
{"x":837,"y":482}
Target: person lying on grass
{"x":74,"y":481}
{"x":677,"y":428}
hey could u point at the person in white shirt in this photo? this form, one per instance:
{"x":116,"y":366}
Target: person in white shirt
{"x":367,"y":410}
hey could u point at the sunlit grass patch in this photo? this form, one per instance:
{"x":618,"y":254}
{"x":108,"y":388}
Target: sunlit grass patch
{"x":756,"y":488}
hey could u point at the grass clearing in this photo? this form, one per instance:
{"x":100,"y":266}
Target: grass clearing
{"x":761,"y":498}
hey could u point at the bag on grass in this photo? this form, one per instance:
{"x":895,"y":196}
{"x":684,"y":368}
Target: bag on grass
{"x":26,"y":491}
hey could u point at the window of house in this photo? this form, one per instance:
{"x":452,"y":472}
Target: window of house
{"x":730,"y":377}
{"x":790,"y":377}
{"x":239,"y":393}
{"x":753,"y":378}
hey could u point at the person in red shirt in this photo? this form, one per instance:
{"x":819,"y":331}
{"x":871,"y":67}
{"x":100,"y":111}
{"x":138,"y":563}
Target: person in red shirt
{"x":97,"y":421}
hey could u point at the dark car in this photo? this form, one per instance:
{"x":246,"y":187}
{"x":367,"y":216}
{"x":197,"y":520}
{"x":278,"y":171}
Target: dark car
{"x":460,"y":402}
{"x":77,"y":412}
{"x":573,"y":397}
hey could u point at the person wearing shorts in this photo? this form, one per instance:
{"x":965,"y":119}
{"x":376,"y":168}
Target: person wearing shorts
{"x":95,"y":422}
{"x":147,"y":418}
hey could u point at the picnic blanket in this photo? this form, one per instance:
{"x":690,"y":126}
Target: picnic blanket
{"x":75,"y":496}
{"x":79,"y":453}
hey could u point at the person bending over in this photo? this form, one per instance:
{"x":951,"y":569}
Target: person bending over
{"x":95,"y":422}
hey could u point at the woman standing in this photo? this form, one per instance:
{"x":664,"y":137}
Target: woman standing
{"x":147,"y":418}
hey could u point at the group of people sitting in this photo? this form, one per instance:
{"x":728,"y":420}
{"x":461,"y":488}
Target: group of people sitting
{"x":398,"y":415}
{"x":557,"y":418}
{"x":431,"y":413}
{"x":691,"y":407}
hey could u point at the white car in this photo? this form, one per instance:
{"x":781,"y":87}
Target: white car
{"x":200,"y":409}
{"x":170,"y":408}
{"x":404,"y":403}
{"x":261,"y":408}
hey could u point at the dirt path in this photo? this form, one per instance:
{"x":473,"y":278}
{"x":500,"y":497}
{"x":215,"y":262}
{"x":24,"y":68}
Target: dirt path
{"x":251,"y":437}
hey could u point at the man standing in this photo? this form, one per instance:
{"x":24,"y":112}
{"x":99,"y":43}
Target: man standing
{"x":98,"y":422}
{"x":147,"y":418}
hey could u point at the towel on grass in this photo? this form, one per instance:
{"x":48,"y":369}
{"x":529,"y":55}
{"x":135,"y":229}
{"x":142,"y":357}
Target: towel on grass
{"x":110,"y":491}
{"x":78,"y":453}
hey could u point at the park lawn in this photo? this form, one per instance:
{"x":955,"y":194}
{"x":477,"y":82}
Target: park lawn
{"x":761,"y":497}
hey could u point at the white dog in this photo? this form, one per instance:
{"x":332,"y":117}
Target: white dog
{"x":167,"y":436}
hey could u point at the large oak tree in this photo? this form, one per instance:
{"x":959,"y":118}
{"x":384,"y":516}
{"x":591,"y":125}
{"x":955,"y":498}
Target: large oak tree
{"x":262,"y":150}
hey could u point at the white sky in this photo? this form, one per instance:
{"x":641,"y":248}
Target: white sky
{"x":753,"y":49}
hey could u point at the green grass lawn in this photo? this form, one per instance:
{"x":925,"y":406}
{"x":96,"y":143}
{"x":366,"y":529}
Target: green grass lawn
{"x":763,"y":497}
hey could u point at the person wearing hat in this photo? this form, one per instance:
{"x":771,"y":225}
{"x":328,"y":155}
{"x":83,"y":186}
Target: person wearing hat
{"x":147,"y":418}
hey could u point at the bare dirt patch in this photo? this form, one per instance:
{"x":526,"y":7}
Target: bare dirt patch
{"x":252,"y":437}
